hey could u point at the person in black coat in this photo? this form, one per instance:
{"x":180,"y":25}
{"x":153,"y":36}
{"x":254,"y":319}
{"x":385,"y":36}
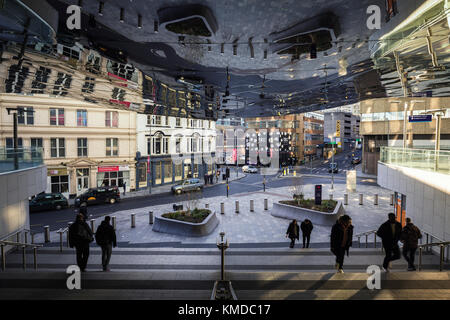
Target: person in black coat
{"x":341,"y":240}
{"x":390,"y":232}
{"x":307,"y":228}
{"x":80,"y":236}
{"x":293,"y":232}
{"x":106,"y":239}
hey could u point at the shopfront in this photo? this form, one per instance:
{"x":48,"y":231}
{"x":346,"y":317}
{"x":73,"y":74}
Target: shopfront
{"x":58,"y":180}
{"x":110,"y":176}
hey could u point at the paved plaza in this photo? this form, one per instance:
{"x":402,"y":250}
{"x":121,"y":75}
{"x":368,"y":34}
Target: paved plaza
{"x":252,"y":227}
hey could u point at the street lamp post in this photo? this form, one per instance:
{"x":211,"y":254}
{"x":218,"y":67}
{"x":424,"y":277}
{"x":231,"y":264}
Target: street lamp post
{"x":222,"y":244}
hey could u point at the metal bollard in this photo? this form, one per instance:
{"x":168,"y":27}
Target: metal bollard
{"x":359,"y":242}
{"x":361,"y":199}
{"x":60,"y":241}
{"x":68,"y":231}
{"x":441,"y":260}
{"x":266,"y":204}
{"x":252,"y":206}
{"x":222,"y":208}
{"x":133,"y":220}
{"x":207,"y":205}
{"x":67,"y":238}
{"x":376,"y":200}
{"x":392,"y":199}
{"x":18,"y":237}
{"x":114,"y":222}
{"x":47,"y":234}
{"x":237,"y":206}
{"x":93,"y":225}
{"x":331,"y":196}
{"x":150,"y":217}
{"x":345,"y":199}
{"x":374,"y":240}
{"x":367,"y":240}
{"x":420,"y":259}
{"x":32,"y":238}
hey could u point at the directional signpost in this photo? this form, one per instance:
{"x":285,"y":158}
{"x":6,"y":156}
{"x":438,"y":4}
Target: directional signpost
{"x":421,"y":118}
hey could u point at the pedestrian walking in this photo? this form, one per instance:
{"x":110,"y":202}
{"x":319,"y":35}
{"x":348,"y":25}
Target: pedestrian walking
{"x":205,"y":177}
{"x":410,"y":237}
{"x":80,"y":236}
{"x":293,"y":232}
{"x":124,"y":187}
{"x":390,"y":233}
{"x":307,"y":228}
{"x":106,"y":239}
{"x":217,"y":176}
{"x":83,"y":210}
{"x":341,"y":240}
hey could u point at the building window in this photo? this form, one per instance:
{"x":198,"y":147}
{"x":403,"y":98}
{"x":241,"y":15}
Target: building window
{"x":62,"y":84}
{"x":89,"y":84}
{"x":178,"y":172}
{"x":56,"y":117}
{"x":112,"y":119}
{"x":36,"y":143}
{"x":178,"y":145}
{"x":82,"y":147}
{"x":168,"y":172}
{"x":178,"y":122}
{"x":57,"y":148}
{"x":26,"y":118}
{"x":59,"y":184}
{"x":81,"y":118}
{"x":157,"y":144}
{"x":112,"y":147}
{"x":82,"y":179}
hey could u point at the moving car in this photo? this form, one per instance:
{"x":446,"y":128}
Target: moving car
{"x":333,"y":168}
{"x":48,"y":201}
{"x":98,"y":195}
{"x":188,"y":185}
{"x":356,"y":160}
{"x":249,"y":169}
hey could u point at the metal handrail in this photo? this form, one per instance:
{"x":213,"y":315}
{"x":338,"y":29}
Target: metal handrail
{"x":61,"y":231}
{"x":4,"y":243}
{"x":367,"y":234}
{"x":441,"y":245}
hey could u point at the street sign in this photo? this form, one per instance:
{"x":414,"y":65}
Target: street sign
{"x":421,"y":118}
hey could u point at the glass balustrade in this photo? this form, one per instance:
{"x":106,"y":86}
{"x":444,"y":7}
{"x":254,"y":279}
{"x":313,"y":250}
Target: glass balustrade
{"x":24,"y":157}
{"x":424,"y":159}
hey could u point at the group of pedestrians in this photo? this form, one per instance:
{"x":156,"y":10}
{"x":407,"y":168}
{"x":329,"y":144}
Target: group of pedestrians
{"x":293,"y":232}
{"x":81,"y":236}
{"x":391,"y":232}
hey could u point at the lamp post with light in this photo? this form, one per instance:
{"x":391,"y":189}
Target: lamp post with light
{"x":222,"y":244}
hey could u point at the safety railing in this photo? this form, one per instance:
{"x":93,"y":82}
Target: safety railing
{"x":61,"y":232}
{"x":366,"y":235}
{"x":441,"y":245}
{"x":19,"y":245}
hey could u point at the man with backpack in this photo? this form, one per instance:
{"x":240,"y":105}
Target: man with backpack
{"x":307,"y":228}
{"x":410,"y":237}
{"x":106,"y":239}
{"x":80,"y":236}
{"x":341,"y":240}
{"x":390,"y":233}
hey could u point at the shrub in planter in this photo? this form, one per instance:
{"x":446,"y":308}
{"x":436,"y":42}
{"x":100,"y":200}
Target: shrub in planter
{"x":194,"y":216}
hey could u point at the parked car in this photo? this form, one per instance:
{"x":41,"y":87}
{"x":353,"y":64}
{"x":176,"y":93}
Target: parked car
{"x":356,"y":160}
{"x":98,"y":195}
{"x":333,"y":168}
{"x":48,"y":201}
{"x":249,"y":169}
{"x":188,"y":185}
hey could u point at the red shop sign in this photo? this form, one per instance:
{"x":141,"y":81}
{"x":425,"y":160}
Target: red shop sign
{"x":108,"y":169}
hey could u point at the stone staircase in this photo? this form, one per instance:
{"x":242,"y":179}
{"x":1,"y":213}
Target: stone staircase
{"x":188,"y":271}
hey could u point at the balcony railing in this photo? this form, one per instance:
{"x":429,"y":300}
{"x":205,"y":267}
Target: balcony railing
{"x":23,"y":158}
{"x":430,"y":160}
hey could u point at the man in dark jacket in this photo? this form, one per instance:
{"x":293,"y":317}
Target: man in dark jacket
{"x":80,"y":236}
{"x":341,"y":240}
{"x":410,"y":237}
{"x":307,"y":228}
{"x":390,"y":233}
{"x":106,"y":239}
{"x":293,"y":232}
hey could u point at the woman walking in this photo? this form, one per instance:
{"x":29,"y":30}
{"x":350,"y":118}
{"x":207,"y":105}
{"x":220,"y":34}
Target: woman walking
{"x":293,"y":232}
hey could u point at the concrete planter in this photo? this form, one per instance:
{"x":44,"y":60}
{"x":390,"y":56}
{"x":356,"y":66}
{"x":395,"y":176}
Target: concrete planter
{"x":187,"y":229}
{"x":317,"y":217}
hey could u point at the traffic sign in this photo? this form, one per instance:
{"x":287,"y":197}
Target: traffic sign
{"x":421,"y":118}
